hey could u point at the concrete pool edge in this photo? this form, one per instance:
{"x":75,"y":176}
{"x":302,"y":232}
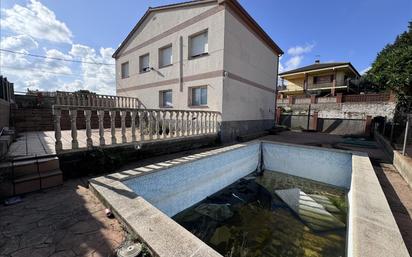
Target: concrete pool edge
{"x":372,"y":230}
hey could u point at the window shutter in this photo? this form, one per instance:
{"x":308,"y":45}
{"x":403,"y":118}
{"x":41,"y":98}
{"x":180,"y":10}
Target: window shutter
{"x":144,"y":62}
{"x":166,"y":56}
{"x":199,"y":44}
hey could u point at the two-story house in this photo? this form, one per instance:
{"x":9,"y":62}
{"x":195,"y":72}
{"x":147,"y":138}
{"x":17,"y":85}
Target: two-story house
{"x":202,"y":55}
{"x":318,"y":78}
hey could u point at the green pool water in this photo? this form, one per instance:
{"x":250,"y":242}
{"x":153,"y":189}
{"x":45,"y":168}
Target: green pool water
{"x":248,"y":218}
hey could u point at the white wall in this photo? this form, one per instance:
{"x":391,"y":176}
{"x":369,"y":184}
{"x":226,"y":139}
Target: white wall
{"x":247,"y":56}
{"x":157,"y":23}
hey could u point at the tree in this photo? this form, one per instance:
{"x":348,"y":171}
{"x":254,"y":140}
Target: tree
{"x":392,"y":69}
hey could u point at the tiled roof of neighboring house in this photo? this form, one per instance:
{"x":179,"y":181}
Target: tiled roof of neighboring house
{"x":232,"y":3}
{"x":317,"y":66}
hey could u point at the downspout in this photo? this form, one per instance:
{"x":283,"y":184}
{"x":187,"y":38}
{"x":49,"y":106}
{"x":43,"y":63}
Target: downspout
{"x":276,"y":88}
{"x":181,"y":63}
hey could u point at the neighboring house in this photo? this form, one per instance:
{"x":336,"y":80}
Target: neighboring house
{"x":202,"y":55}
{"x":318,"y":78}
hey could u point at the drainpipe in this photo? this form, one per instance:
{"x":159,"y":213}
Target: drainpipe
{"x":276,"y":88}
{"x":181,"y":63}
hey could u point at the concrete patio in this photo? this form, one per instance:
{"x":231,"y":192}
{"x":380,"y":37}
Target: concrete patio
{"x":66,"y":221}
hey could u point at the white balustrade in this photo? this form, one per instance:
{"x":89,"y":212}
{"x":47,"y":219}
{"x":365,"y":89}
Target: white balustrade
{"x":150,"y":124}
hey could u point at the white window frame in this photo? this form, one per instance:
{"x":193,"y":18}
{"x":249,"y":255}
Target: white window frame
{"x":161,"y":99}
{"x":201,"y":104}
{"x":206,"y":48}
{"x":161,"y":51}
{"x":122,"y":71}
{"x":141,"y":68}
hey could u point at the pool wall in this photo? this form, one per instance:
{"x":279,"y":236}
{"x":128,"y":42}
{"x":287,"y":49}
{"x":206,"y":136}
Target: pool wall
{"x":144,"y":198}
{"x":177,"y":188}
{"x":320,"y":164}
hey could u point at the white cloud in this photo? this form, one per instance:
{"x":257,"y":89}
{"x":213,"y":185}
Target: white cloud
{"x":51,"y":73}
{"x":97,"y":78}
{"x":18,"y":42}
{"x":365,"y":70}
{"x":295,"y":56}
{"x":36,"y":20}
{"x":300,"y":50}
{"x":293,"y":62}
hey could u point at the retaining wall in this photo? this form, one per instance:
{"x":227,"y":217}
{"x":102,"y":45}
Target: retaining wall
{"x":4,"y":113}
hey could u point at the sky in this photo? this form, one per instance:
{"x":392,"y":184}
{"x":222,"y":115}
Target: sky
{"x":88,"y":32}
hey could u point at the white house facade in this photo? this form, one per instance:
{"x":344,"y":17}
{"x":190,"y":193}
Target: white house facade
{"x":202,"y":55}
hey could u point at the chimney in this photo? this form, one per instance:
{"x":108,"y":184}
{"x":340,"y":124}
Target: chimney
{"x":317,"y":61}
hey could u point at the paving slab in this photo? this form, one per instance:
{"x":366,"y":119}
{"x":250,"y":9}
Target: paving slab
{"x":66,"y":221}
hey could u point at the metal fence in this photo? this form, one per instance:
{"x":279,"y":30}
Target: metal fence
{"x":397,"y":132}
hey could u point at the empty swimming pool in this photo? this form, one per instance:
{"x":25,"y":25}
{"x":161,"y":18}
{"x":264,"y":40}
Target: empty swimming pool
{"x":146,"y":198}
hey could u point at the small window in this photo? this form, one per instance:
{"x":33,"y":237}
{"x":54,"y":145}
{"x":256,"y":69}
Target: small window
{"x":165,"y":56}
{"x":198,"y":45}
{"x":144,"y":63}
{"x":165,"y":99}
{"x":125,"y":70}
{"x":198,"y":96}
{"x":322,"y":79}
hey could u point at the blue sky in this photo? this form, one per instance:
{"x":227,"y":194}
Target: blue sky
{"x":352,"y":30}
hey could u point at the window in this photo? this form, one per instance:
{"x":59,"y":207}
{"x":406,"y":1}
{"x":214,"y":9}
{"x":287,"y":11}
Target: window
{"x":125,"y":70}
{"x":165,"y":99}
{"x":198,"y":96}
{"x":322,"y":79}
{"x":165,"y":56}
{"x":144,"y":63}
{"x":198,"y":45}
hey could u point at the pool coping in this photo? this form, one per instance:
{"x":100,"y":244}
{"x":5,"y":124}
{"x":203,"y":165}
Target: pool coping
{"x":368,"y":236}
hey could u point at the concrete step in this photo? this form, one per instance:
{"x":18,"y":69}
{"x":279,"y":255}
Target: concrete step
{"x":33,"y":183}
{"x":28,"y":175}
{"x":22,"y":168}
{"x":311,"y":212}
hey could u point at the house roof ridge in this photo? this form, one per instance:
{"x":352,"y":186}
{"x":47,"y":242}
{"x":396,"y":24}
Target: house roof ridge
{"x":252,"y":23}
{"x":316,"y":66}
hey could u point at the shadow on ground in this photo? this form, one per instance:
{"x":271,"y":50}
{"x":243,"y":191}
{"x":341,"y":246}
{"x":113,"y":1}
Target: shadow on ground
{"x":388,"y":177}
{"x":64,"y":221}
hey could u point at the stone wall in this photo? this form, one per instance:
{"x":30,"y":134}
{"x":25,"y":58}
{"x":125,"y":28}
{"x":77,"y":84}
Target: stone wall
{"x":325,"y":125}
{"x":108,"y":159}
{"x":4,"y":113}
{"x":346,"y":110}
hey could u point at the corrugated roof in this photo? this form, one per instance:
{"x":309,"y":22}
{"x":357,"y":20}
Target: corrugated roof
{"x":317,"y":66}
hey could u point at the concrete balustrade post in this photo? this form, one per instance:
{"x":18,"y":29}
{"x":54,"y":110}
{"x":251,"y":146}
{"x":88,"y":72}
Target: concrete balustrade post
{"x":164,"y":124}
{"x":150,"y":124}
{"x":133,"y":125}
{"x":73,"y":126}
{"x":177,"y":130}
{"x":89,"y":141}
{"x":217,"y":123}
{"x":157,"y":124}
{"x":113,"y":126}
{"x":187,"y":123}
{"x":123,"y":124}
{"x":57,"y":130}
{"x":141,"y":127}
{"x":100,"y":115}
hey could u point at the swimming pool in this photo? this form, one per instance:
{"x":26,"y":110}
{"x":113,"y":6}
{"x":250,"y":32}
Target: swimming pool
{"x":145,"y":198}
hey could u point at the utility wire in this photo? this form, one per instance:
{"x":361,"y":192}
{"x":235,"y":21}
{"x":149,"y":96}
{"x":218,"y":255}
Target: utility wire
{"x":54,"y":58}
{"x":41,"y":70}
